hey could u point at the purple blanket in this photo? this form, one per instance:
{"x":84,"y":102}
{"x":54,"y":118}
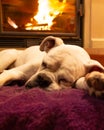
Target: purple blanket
{"x":36,"y":109}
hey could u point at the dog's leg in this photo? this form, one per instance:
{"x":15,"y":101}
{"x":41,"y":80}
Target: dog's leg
{"x":93,"y":82}
{"x":7,"y":57}
{"x":10,"y":75}
{"x":23,"y":72}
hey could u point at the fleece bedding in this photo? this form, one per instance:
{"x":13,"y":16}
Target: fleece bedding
{"x":37,"y":109}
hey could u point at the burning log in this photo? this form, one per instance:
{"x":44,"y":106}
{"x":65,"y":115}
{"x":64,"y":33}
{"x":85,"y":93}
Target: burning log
{"x":44,"y":24}
{"x":37,"y":26}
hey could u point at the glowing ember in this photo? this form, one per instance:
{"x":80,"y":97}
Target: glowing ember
{"x":47,"y":11}
{"x":12,"y":23}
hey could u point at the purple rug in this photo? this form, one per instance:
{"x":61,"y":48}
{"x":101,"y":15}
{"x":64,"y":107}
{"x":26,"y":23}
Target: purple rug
{"x":36,"y":109}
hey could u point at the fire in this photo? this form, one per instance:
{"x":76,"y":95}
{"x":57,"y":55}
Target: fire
{"x":12,"y":23}
{"x":47,"y":11}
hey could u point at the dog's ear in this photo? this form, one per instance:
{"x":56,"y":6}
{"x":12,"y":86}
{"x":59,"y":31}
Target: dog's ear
{"x":94,"y":65}
{"x":50,"y":42}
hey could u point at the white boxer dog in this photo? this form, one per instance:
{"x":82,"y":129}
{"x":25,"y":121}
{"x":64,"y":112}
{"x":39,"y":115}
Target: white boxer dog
{"x":52,"y":66}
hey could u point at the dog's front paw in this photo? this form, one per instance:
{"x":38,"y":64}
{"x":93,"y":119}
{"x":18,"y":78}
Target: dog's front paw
{"x":95,"y":82}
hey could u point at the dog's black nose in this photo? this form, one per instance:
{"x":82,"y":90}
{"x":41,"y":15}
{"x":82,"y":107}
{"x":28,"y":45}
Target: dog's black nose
{"x":42,"y":81}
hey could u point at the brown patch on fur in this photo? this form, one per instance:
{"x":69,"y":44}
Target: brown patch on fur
{"x":95,"y":79}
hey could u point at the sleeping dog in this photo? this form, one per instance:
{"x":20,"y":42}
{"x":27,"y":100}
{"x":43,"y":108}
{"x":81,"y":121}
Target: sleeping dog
{"x":52,"y":66}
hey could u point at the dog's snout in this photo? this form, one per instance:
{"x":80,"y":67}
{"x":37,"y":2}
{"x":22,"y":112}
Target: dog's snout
{"x":41,"y":80}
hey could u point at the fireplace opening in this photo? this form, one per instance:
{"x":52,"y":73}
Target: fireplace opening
{"x":26,"y":22}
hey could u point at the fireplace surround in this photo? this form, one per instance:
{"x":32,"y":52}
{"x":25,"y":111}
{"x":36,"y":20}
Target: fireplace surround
{"x":24,"y":23}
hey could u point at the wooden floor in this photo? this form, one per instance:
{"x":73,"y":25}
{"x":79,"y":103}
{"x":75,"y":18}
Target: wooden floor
{"x":97,"y":54}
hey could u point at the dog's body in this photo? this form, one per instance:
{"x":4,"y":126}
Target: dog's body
{"x":52,"y":66}
{"x":19,"y":64}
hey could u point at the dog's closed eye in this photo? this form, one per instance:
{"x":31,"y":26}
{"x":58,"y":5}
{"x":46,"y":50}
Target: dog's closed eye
{"x":62,"y":80}
{"x":64,"y":83}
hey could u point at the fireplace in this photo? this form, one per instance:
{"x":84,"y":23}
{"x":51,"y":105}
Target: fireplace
{"x":26,"y":22}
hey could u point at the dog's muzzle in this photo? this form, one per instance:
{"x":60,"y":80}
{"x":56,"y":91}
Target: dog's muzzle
{"x":41,"y":80}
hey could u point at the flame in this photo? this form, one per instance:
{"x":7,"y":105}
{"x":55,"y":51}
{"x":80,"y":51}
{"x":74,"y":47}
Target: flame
{"x":12,"y":23}
{"x":47,"y":11}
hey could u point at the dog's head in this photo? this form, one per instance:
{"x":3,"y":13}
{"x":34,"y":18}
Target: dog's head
{"x":60,"y":67}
